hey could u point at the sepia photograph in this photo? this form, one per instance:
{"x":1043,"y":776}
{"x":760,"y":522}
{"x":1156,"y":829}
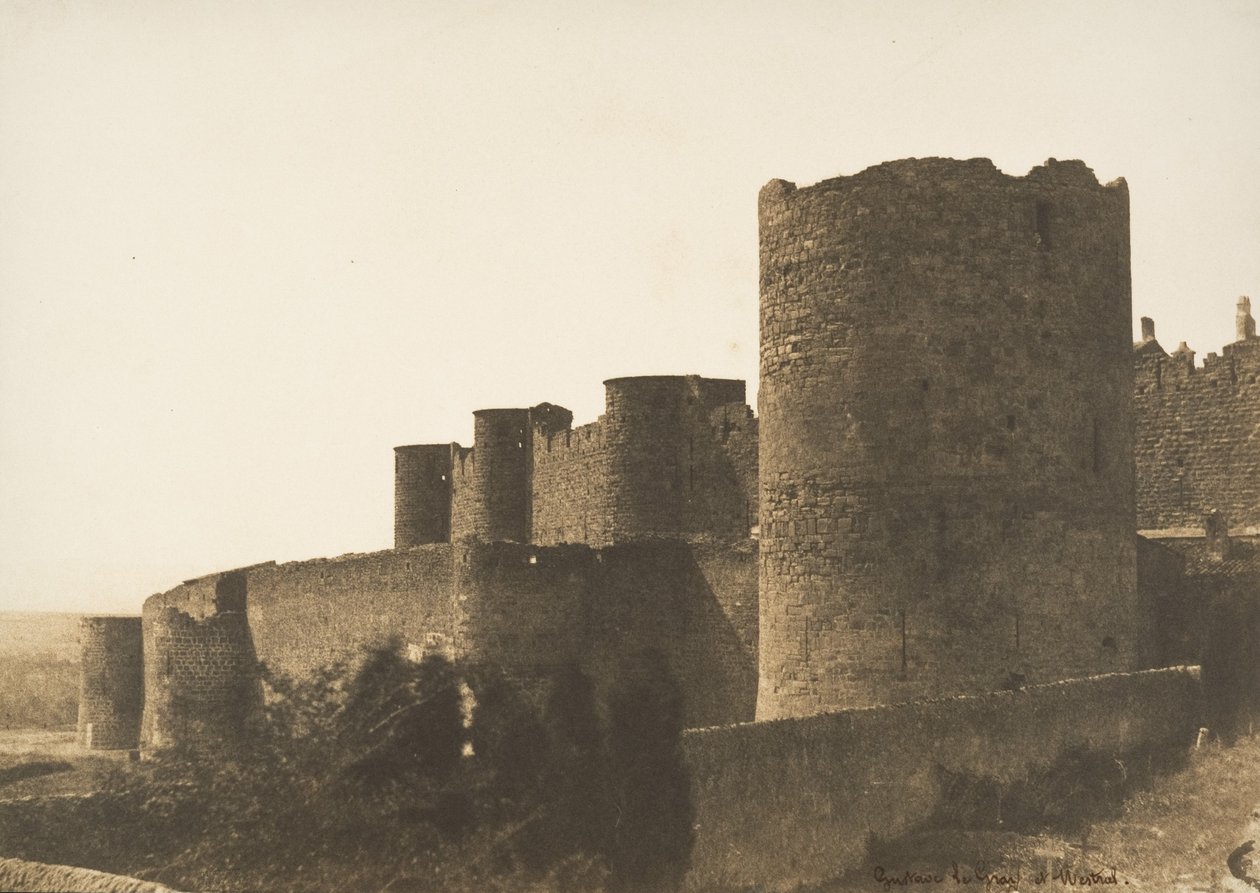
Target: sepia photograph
{"x":629,"y":447}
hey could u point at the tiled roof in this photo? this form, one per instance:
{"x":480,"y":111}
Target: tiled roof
{"x":1242,"y":560}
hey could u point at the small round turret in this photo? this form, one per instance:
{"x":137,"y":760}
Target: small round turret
{"x":422,"y":495}
{"x":111,"y":689}
{"x":496,"y":496}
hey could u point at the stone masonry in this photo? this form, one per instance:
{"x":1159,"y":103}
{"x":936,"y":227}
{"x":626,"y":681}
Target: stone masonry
{"x":945,"y":406}
{"x":673,"y":456}
{"x":936,"y":498}
{"x":110,"y":698}
{"x":1198,"y":431}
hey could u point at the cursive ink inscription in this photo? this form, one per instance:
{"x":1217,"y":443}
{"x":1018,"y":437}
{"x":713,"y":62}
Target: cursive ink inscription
{"x":1070,"y":878}
{"x":982,"y":877}
{"x":905,"y":878}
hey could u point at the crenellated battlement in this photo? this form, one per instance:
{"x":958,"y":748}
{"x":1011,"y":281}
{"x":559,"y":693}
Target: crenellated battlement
{"x":673,"y":456}
{"x":1197,"y":448}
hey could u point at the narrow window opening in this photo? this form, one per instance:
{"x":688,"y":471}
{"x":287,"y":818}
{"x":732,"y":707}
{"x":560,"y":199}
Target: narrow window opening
{"x":691,"y":477}
{"x":1097,"y":447}
{"x":1010,"y":423}
{"x":1181,"y":463}
{"x":1016,"y":632}
{"x":1043,"y":224}
{"x":903,"y":641}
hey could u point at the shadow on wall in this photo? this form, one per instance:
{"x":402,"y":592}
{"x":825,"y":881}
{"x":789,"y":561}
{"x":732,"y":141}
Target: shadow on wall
{"x":530,"y":609}
{"x":653,"y":833}
{"x":660,"y":596}
{"x":1231,"y":664}
{"x":1081,"y":786}
{"x":202,"y":680}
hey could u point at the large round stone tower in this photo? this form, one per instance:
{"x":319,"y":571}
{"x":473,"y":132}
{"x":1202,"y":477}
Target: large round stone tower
{"x":946,"y":473}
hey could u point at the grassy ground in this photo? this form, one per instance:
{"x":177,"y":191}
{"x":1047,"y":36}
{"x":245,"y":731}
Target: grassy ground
{"x":32,"y":634}
{"x":1172,"y":838}
{"x":43,"y":762}
{"x":1178,"y":835}
{"x":39,"y":669}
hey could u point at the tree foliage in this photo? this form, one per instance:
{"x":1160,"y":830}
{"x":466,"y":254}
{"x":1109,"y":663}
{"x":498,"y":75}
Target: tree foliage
{"x":431,"y":775}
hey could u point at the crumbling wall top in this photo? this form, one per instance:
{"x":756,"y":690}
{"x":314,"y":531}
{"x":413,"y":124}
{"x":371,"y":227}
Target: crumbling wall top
{"x":1070,"y":173}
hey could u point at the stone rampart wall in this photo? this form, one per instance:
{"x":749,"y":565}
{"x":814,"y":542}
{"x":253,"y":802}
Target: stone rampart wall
{"x":530,"y":609}
{"x":527,"y":609}
{"x":308,"y":614}
{"x":1198,"y":438}
{"x":570,"y":487}
{"x":200,"y":679}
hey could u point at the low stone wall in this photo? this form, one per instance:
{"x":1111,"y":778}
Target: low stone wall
{"x":794,"y":801}
{"x":36,"y":877}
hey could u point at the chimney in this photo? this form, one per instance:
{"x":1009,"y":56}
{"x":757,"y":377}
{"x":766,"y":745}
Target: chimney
{"x":1148,"y":329}
{"x":1217,"y":533}
{"x":1243,"y":320}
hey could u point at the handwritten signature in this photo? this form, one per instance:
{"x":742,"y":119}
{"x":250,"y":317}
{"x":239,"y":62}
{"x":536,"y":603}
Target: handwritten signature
{"x":982,"y":878}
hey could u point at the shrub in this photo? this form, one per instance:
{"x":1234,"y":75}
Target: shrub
{"x":652,"y":844}
{"x":405,"y":776}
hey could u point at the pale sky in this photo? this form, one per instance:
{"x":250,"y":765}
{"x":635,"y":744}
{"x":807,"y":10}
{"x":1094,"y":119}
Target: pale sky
{"x":247,"y":248}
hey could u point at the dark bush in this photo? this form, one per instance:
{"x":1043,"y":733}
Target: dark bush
{"x":1231,"y":666}
{"x":651,"y":848}
{"x":400,"y":775}
{"x":1081,"y":787}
